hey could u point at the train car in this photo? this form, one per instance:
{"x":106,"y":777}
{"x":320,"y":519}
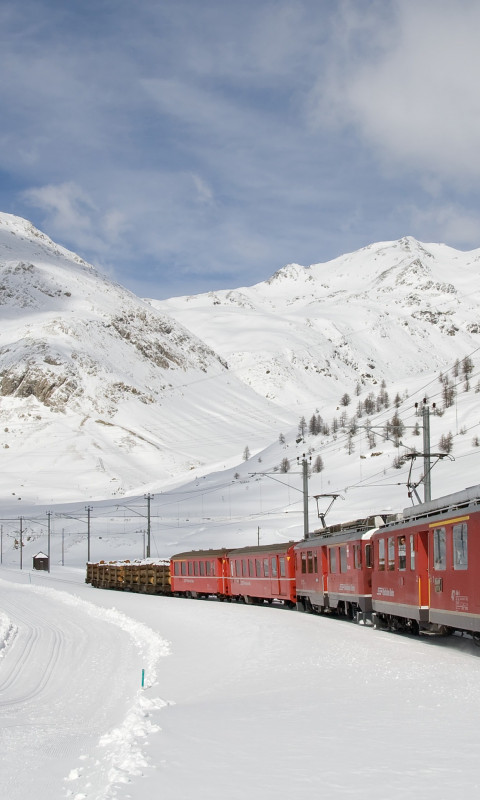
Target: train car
{"x":149,"y":577}
{"x":263,"y":573}
{"x":334,"y":569}
{"x":426,"y":567}
{"x":200,"y":573}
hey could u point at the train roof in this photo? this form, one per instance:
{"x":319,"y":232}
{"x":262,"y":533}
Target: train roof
{"x":353,"y":527}
{"x":217,"y":553}
{"x":450,"y":502}
{"x":277,"y":547}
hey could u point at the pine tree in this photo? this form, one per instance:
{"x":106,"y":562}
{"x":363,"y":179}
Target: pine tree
{"x":446,"y":442}
{"x":318,"y":464}
{"x":397,"y":428}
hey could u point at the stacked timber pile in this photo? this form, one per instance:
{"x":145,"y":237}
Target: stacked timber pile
{"x":149,"y":577}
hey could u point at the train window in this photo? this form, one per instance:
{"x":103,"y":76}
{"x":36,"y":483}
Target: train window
{"x":439,"y":549}
{"x":176,"y":568}
{"x":244,"y":567}
{"x":281,"y":561}
{"x":402,"y":552}
{"x":412,"y":551}
{"x":195,"y":567}
{"x":202,"y":567}
{"x":304,"y":562}
{"x":460,"y":552}
{"x":184,"y":567}
{"x":251,"y":571}
{"x":274,"y":567}
{"x":315,"y":564}
{"x":309,"y":562}
{"x":343,"y":559}
{"x":333,"y":559}
{"x":368,"y":556}
{"x":207,"y":567}
{"x":391,"y":552}
{"x":357,"y":556}
{"x":232,"y":569}
{"x":381,"y":554}
{"x":258,"y":568}
{"x":265,"y":567}
{"x":190,"y":567}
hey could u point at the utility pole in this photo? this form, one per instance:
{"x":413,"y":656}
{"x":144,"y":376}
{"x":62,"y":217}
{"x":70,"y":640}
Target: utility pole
{"x":49,"y":514}
{"x":1,"y":544}
{"x":148,"y":498}
{"x":305,"y":494}
{"x":427,"y":484}
{"x":88,"y":509}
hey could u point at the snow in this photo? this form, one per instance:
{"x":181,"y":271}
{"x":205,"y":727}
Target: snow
{"x":262,"y":702}
{"x":237,"y":701}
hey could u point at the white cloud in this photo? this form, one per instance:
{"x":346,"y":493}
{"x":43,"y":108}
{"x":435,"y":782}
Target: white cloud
{"x":409,"y":84}
{"x":67,"y":204}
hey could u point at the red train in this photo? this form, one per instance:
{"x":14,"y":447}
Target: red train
{"x":416,"y":572}
{"x":250,"y":574}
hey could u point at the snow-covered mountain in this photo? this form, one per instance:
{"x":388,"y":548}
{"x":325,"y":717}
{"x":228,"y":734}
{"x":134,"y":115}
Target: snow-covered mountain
{"x":95,"y":381}
{"x":391,"y":311}
{"x":104,"y":395}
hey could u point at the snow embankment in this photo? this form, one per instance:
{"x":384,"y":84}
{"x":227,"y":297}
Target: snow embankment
{"x":72,"y":699}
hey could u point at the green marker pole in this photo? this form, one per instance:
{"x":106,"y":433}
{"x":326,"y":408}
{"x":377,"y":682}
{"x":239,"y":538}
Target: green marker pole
{"x":143,"y":678}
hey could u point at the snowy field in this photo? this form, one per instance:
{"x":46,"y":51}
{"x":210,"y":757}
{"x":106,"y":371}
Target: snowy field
{"x":238,"y":701}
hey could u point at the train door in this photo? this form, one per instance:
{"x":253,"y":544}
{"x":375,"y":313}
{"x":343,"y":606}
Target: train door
{"x":437,"y":564}
{"x":324,"y":563}
{"x":419,"y":562}
{"x":274,"y":582}
{"x":225,"y":576}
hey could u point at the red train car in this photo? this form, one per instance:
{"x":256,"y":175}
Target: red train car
{"x":266,"y":572}
{"x":426,"y":567}
{"x":333,"y":569}
{"x":199,"y":573}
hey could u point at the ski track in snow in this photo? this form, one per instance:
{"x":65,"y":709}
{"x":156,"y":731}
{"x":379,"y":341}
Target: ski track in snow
{"x":85,"y":673}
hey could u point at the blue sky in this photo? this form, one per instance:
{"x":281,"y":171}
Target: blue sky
{"x":190,"y":145}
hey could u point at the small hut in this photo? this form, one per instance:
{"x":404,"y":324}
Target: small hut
{"x":40,"y":561}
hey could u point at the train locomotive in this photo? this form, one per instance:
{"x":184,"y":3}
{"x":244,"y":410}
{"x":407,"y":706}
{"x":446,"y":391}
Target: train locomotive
{"x":418,"y":571}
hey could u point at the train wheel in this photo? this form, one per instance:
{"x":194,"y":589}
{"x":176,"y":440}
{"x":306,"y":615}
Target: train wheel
{"x":414,"y":627}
